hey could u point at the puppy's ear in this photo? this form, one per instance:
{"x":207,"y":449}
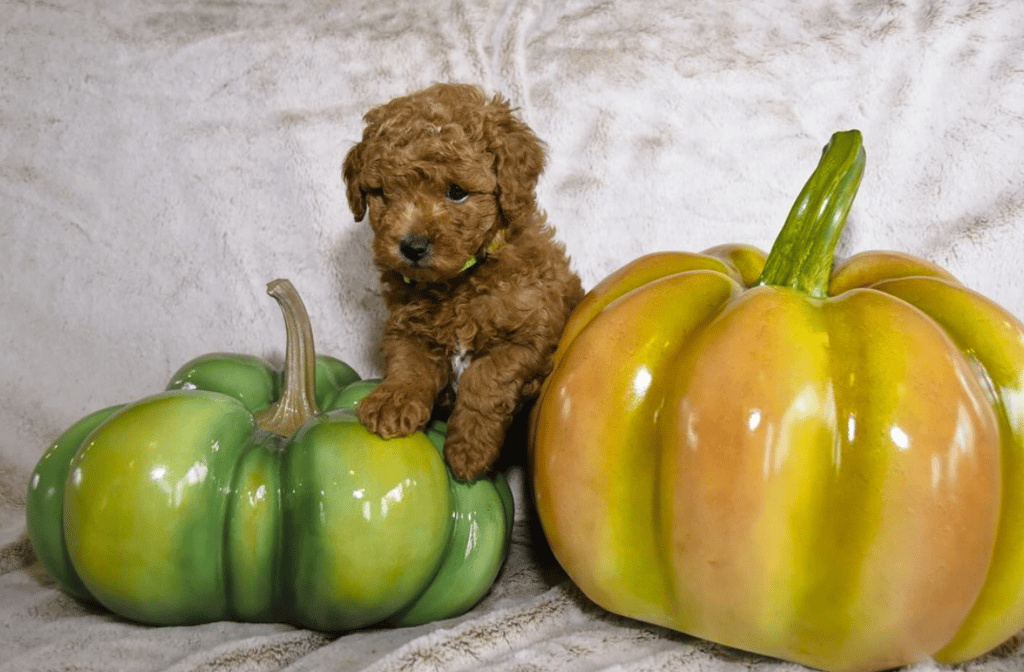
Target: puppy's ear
{"x":352,"y":170}
{"x":518,"y":161}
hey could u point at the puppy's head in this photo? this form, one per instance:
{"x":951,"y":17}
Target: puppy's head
{"x":441,"y":172}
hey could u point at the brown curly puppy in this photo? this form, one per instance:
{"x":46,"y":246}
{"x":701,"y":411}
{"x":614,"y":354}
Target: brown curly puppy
{"x":477,"y":288}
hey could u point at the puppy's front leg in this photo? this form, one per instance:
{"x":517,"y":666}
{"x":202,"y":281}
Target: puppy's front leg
{"x":403,"y":402}
{"x":490,"y":392}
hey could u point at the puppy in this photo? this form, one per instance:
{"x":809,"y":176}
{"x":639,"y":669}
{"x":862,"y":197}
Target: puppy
{"x":477,"y":289}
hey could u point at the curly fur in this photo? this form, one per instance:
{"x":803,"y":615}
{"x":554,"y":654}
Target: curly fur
{"x":448,"y":176}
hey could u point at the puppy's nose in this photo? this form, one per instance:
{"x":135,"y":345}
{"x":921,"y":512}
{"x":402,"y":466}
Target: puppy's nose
{"x":414,"y":248}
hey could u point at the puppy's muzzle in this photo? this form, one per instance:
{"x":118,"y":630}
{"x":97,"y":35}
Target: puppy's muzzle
{"x":414,"y":248}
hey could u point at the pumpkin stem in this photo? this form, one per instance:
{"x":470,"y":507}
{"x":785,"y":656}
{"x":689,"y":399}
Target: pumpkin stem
{"x":802,"y":255}
{"x":298,"y":398}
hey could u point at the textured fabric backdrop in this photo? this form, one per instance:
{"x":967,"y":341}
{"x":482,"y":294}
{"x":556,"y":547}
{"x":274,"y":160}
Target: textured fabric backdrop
{"x":161,"y":161}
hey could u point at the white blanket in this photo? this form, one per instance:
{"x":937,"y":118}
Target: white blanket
{"x":161,"y":161}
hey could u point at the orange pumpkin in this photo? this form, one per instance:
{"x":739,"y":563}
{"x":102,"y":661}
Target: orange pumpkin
{"x":820,"y":464}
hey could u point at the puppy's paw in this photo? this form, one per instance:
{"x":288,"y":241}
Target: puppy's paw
{"x":471,"y":449}
{"x":391,"y":413}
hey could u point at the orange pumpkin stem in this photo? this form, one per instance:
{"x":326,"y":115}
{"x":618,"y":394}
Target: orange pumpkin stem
{"x":298,"y":398}
{"x":802,"y":255}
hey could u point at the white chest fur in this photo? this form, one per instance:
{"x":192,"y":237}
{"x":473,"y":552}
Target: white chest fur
{"x":460,"y":362}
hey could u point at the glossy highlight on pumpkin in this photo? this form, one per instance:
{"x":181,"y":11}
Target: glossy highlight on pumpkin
{"x":821,"y":464}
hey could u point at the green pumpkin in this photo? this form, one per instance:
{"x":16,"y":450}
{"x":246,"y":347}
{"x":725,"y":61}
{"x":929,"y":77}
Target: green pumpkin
{"x":244,"y":493}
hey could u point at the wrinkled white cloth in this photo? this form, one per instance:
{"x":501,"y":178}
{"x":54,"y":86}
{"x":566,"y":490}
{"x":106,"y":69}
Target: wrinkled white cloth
{"x":161,"y":161}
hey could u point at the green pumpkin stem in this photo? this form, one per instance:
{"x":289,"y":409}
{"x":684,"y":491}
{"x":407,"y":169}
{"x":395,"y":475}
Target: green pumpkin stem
{"x":802,"y":255}
{"x":298,"y":397}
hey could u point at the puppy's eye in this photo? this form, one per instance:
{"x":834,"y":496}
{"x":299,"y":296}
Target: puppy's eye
{"x":456,"y":194}
{"x":376,"y":192}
